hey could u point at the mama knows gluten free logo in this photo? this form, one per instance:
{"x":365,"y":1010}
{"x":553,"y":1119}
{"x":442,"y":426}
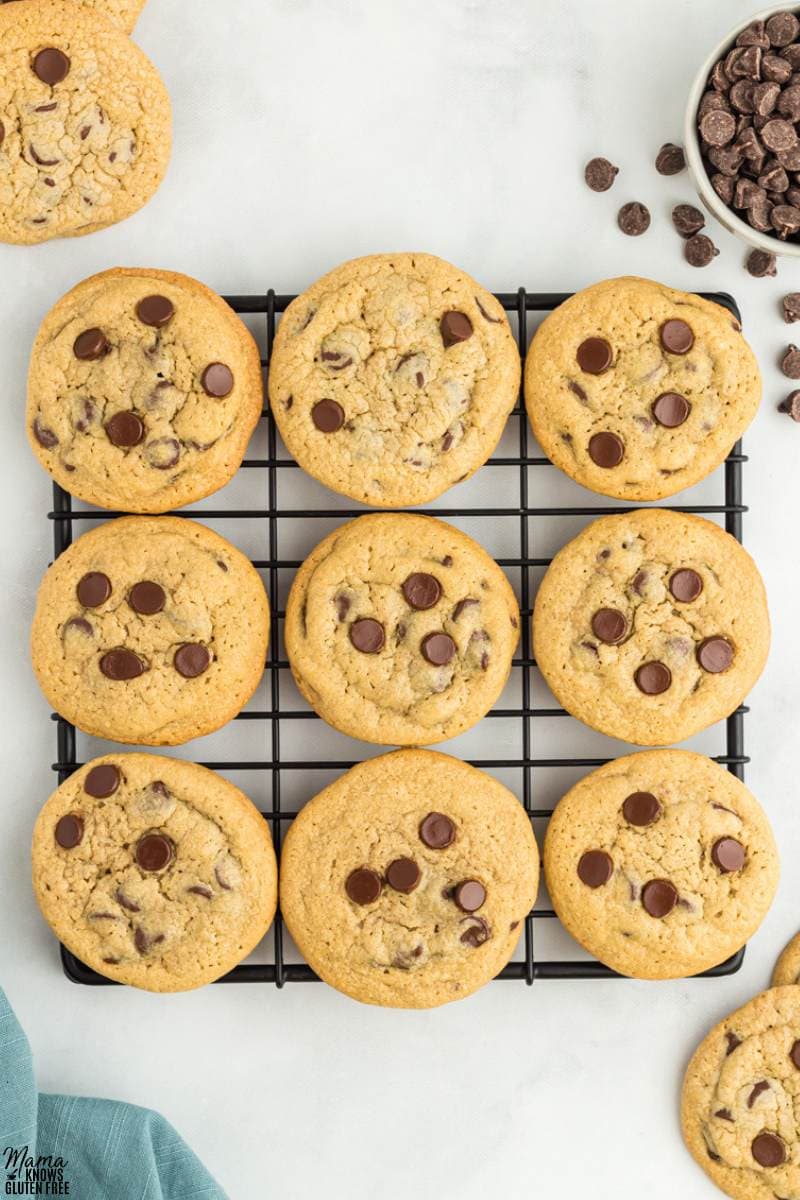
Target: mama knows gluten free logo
{"x":26,"y":1175}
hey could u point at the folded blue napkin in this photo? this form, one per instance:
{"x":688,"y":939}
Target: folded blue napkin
{"x":86,"y":1149}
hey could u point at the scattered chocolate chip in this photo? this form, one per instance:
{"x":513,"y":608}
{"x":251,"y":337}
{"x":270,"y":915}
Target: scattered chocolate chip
{"x":367,"y":635}
{"x":782,"y":28}
{"x":727,"y":855}
{"x":90,"y":345}
{"x":715,"y":654}
{"x":467,"y":602}
{"x":699,"y":250}
{"x":791,"y":307}
{"x":455,"y":327}
{"x":328,"y":416}
{"x":125,"y":429}
{"x":147,"y":598}
{"x":768,"y":1150}
{"x":93,"y":589}
{"x":51,"y":66}
{"x":421,"y":590}
{"x":363,"y":886}
{"x":191,"y":659}
{"x":791,"y":405}
{"x":606,"y":450}
{"x":469,"y":895}
{"x":687,"y":219}
{"x":676,"y":336}
{"x":102,"y":781}
{"x":609,"y":625}
{"x":44,"y":436}
{"x":217,"y":380}
{"x":760,"y":264}
{"x":659,"y":897}
{"x":670,"y":409}
{"x":633,"y":218}
{"x":599,"y":174}
{"x":403,"y":875}
{"x":69,"y":831}
{"x":653,"y":678}
{"x":162,"y":453}
{"x":670,"y":159}
{"x":790,"y":363}
{"x":641,"y":808}
{"x":156,"y":311}
{"x":594,"y":356}
{"x":437,"y":831}
{"x":121,"y":665}
{"x":154,"y":852}
{"x":438,"y":649}
{"x":685,"y":585}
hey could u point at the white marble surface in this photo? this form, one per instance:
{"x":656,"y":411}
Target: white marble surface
{"x":308,"y":131}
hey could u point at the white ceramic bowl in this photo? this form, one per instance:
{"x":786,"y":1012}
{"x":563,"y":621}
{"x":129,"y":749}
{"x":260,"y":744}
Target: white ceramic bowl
{"x":726,"y":216}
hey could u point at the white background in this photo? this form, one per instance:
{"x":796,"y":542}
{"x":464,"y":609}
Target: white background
{"x":307,"y":132}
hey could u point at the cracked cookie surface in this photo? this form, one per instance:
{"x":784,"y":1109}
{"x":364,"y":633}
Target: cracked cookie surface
{"x":154,"y":872}
{"x":144,"y":389}
{"x":741,"y":1099}
{"x":787,"y":968}
{"x":406,"y":882}
{"x":85,"y":122}
{"x":392,"y":377}
{"x":150,"y":630}
{"x":400,"y":629}
{"x":651,"y":625}
{"x":661,"y":864}
{"x":626,"y":401}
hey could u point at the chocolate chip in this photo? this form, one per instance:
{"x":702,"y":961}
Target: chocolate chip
{"x":712,"y":100}
{"x":191,"y":659}
{"x":768,"y":1150}
{"x":606,"y":450}
{"x":69,"y":831}
{"x":727,"y":855}
{"x":699,"y":250}
{"x":578,"y":391}
{"x":723,"y":186}
{"x":609,"y":626}
{"x":653,"y":678}
{"x":343,"y":604}
{"x":599,"y":174}
{"x":724,"y":1114}
{"x":147,"y":598}
{"x":676,"y":336}
{"x":744,"y":63}
{"x":469,"y":895}
{"x":794,"y":1054}
{"x":765,"y":97}
{"x":44,"y":436}
{"x":154,"y":852}
{"x":659,"y":897}
{"x":51,"y":66}
{"x":641,"y":808}
{"x":156,"y":311}
{"x":363,"y":886}
{"x":102,"y":781}
{"x":125,"y":901}
{"x":437,"y":831}
{"x":633,"y":218}
{"x":791,"y":405}
{"x":685,"y":585}
{"x":779,"y":134}
{"x":595,"y":868}
{"x":162,"y":453}
{"x":201,"y":889}
{"x":594,"y":356}
{"x":93,"y":589}
{"x":790,"y":363}
{"x":715,"y":654}
{"x":791,"y":307}
{"x":328,"y":416}
{"x":121,"y":665}
{"x":403,"y":875}
{"x":670,"y":159}
{"x":785,"y":219}
{"x":670,"y":409}
{"x":477,"y":931}
{"x":759,"y":264}
{"x":718,"y":127}
{"x":455,"y":327}
{"x":467,"y":602}
{"x":2,"y":133}
{"x":367,"y":635}
{"x":217,"y":380}
{"x":125,"y":429}
{"x":485,"y":314}
{"x":90,"y":345}
{"x":782,"y":28}
{"x":422,"y":590}
{"x":687,"y":219}
{"x":80,"y":625}
{"x":438,"y":649}
{"x":144,"y":941}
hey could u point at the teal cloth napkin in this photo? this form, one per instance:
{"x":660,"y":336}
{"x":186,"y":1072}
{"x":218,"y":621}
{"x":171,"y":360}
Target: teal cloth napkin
{"x":100,"y":1149}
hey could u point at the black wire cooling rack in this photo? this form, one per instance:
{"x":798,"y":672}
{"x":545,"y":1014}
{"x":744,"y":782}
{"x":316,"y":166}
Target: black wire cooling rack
{"x":529,"y":968}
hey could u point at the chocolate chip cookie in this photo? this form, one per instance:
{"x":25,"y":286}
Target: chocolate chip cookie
{"x":400,"y":629}
{"x":787,"y":968}
{"x":651,"y":625}
{"x":405,"y":883}
{"x":151,"y":630}
{"x":741,"y":1097}
{"x":392,"y":377}
{"x":661,"y":864}
{"x":638,"y":391}
{"x":143,"y":391}
{"x":85,"y":122}
{"x":154,"y":872}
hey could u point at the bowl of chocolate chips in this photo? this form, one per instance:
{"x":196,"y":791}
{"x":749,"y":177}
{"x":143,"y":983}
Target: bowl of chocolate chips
{"x":742,"y":132}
